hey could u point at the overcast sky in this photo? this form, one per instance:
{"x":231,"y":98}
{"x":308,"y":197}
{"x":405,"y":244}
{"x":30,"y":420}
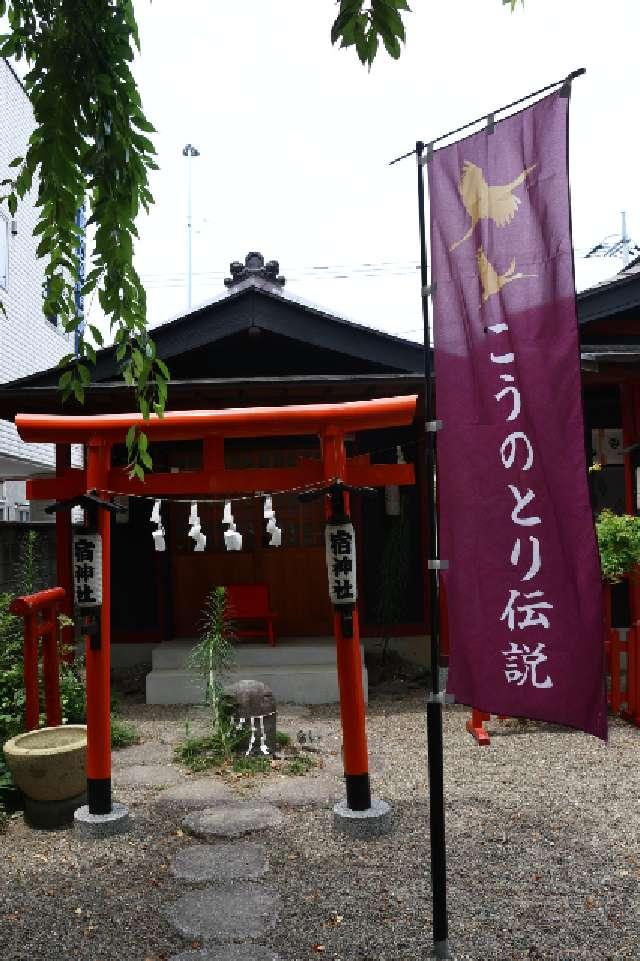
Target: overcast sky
{"x":295,"y":137}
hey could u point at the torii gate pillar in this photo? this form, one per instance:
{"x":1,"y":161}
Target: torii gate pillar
{"x":348,"y":658}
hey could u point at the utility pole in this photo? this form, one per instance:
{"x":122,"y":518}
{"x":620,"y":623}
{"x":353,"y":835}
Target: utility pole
{"x":189,"y":151}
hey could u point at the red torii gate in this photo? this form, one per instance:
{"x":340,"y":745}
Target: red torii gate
{"x":99,"y":433}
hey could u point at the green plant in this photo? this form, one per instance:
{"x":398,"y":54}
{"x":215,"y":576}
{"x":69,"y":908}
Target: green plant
{"x":251,"y":765}
{"x":213,"y":658}
{"x":201,"y":753}
{"x":123,"y":734}
{"x":12,"y":698}
{"x":283,"y":739}
{"x":299,"y":765}
{"x":619,"y":544}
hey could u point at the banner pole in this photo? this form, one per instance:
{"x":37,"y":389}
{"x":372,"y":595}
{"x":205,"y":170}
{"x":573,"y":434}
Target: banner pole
{"x":435,"y":752}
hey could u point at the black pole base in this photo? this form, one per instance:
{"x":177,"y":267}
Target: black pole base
{"x":441,"y":950}
{"x":99,"y":795}
{"x":358,"y":792}
{"x":436,"y":825}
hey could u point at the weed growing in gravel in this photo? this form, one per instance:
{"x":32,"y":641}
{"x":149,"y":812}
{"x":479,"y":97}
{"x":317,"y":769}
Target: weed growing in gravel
{"x":251,"y":765}
{"x":201,"y":753}
{"x":299,"y":765}
{"x":283,"y":739}
{"x":123,"y":734}
{"x":213,"y":657}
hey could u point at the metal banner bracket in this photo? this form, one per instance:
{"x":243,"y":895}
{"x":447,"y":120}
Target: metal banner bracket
{"x":429,"y":290}
{"x":441,"y":698}
{"x":437,"y":565}
{"x":491,"y":123}
{"x":427,"y":156}
{"x":432,"y":426}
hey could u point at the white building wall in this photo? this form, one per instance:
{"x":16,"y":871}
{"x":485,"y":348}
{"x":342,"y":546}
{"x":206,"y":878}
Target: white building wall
{"x":28,"y":341}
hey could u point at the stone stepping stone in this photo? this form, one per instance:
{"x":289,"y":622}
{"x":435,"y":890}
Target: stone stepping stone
{"x":241,"y":912}
{"x":230,"y":952}
{"x":195,"y":795}
{"x":150,"y":752}
{"x":241,"y":860}
{"x":301,"y":791}
{"x":232,"y":820}
{"x":146,"y":775}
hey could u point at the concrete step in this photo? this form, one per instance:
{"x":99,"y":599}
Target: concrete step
{"x":172,"y":655}
{"x":294,"y":683}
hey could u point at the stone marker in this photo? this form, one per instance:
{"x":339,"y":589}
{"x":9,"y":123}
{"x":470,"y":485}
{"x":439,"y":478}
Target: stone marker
{"x":232,"y":820}
{"x":240,"y":912}
{"x":193,"y":795}
{"x":229,"y":952}
{"x":244,"y":860}
{"x":254,"y":711}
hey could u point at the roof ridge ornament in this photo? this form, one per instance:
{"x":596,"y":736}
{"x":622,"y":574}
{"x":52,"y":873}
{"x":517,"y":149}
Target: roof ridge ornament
{"x":254,"y":266}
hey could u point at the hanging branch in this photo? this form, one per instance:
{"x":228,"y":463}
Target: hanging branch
{"x":363,"y":23}
{"x":90,"y":139}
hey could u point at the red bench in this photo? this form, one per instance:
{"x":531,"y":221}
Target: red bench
{"x":250,"y":602}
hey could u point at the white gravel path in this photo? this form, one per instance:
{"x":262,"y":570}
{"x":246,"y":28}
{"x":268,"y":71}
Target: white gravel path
{"x":543,"y":832}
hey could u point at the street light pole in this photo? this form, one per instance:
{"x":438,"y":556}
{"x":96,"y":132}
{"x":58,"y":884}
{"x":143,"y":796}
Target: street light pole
{"x":189,"y":151}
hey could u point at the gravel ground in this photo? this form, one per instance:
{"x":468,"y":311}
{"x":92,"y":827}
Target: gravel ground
{"x":543,"y":853}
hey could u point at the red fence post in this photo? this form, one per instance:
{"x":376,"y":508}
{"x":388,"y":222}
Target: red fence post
{"x":50,"y":666}
{"x":632,"y":672}
{"x":39,"y":613}
{"x":475,"y":727}
{"x":32,"y":696}
{"x":615,"y":650}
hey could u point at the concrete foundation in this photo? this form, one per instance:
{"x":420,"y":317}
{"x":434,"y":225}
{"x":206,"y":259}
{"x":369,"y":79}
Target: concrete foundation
{"x":93,"y":826}
{"x":298,"y":670}
{"x":374,"y":822}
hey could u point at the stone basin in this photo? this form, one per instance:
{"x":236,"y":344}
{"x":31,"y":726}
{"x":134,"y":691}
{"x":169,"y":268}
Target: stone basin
{"x":49,"y":764}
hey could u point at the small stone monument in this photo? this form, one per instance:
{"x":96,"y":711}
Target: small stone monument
{"x":254,"y":711}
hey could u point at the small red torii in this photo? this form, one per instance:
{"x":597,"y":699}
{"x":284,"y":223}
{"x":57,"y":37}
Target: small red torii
{"x":99,"y":433}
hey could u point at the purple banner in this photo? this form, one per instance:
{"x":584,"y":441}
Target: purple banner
{"x":523,"y":587}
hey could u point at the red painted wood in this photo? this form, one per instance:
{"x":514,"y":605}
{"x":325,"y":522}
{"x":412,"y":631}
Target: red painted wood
{"x":64,"y":568}
{"x":32,"y":696}
{"x":51,"y":669}
{"x":98,"y":661}
{"x":250,"y":602}
{"x":298,"y":419}
{"x":222,"y":482}
{"x":348,"y":655}
{"x":475,"y":727}
{"x":39,"y":612}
